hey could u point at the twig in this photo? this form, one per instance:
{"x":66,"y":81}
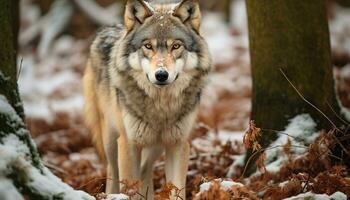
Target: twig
{"x":92,"y":180}
{"x":20,"y":68}
{"x":341,"y":145}
{"x":177,"y":194}
{"x":341,"y":119}
{"x":55,"y":168}
{"x":306,"y":183}
{"x":308,"y":102}
{"x":280,"y":132}
{"x":141,"y":195}
{"x":98,"y":190}
{"x":344,"y":138}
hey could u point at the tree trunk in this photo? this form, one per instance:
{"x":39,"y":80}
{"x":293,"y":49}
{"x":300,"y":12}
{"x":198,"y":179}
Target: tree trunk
{"x":345,"y":3}
{"x":22,"y":174}
{"x":293,"y":37}
{"x":8,"y":46}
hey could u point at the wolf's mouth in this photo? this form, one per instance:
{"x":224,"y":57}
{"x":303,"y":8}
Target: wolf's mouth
{"x":162,"y":84}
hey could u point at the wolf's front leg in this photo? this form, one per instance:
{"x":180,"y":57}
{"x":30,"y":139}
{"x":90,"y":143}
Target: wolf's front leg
{"x":111,"y":149}
{"x":176,"y":166}
{"x":129,"y":159}
{"x":149,"y":156}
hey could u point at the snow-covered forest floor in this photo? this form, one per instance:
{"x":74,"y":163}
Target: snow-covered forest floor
{"x":50,"y":87}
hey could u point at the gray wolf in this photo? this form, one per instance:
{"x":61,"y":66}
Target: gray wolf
{"x":142,"y":86}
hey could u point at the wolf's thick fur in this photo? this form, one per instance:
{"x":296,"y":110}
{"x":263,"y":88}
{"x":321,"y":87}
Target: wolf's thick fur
{"x":133,"y":116}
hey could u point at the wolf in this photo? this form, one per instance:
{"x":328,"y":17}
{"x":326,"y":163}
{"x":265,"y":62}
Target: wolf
{"x":142,"y":87}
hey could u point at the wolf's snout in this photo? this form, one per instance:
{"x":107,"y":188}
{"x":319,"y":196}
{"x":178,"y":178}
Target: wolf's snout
{"x":162,"y":75}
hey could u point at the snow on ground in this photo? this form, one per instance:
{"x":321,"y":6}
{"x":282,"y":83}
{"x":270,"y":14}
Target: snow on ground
{"x":8,"y":191}
{"x":15,"y":155}
{"x":300,"y":132}
{"x":54,"y":84}
{"x":117,"y":197}
{"x":224,"y":185}
{"x":312,"y":196}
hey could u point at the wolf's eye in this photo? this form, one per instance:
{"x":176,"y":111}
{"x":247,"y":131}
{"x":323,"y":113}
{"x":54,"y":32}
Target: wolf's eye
{"x":148,"y":46}
{"x":176,"y":46}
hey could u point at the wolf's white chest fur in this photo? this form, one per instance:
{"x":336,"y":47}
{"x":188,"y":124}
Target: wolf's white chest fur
{"x":158,"y":115}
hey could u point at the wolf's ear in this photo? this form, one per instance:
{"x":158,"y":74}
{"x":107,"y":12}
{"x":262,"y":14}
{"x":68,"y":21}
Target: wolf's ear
{"x":136,"y":11}
{"x":189,"y":13}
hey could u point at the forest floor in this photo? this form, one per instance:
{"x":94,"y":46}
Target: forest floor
{"x":50,"y":86}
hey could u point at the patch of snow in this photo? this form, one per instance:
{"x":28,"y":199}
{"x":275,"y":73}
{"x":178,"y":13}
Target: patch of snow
{"x":312,"y":196}
{"x":49,"y":184}
{"x":117,"y":197}
{"x":8,"y":191}
{"x":6,"y":108}
{"x":225,"y":185}
{"x":238,"y":162}
{"x":225,"y":136}
{"x":203,"y":143}
{"x":229,"y":184}
{"x":15,"y":153}
{"x":205,"y":186}
{"x":301,"y":132}
{"x":53,"y":84}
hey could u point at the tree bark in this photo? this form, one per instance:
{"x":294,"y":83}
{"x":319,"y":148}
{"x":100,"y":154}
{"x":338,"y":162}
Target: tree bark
{"x":293,"y":37}
{"x":9,"y":17}
{"x":344,"y":3}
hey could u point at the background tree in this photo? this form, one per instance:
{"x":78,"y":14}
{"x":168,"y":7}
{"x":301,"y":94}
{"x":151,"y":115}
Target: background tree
{"x":291,"y":37}
{"x":9,"y":21}
{"x":22,"y":174}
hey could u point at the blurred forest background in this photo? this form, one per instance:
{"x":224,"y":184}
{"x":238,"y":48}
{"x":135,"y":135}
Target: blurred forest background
{"x":54,"y":40}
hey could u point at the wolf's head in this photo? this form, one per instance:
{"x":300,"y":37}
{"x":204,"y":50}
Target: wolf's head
{"x":162,"y":41}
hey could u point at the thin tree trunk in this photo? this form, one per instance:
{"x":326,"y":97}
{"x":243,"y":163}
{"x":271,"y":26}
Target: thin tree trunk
{"x":292,"y":36}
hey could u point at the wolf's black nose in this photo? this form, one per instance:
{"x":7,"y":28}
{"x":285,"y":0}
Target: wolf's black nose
{"x":162,"y":75}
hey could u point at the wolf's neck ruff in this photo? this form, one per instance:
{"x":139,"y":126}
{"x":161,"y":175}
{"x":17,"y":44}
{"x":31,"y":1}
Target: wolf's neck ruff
{"x":154,"y":105}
